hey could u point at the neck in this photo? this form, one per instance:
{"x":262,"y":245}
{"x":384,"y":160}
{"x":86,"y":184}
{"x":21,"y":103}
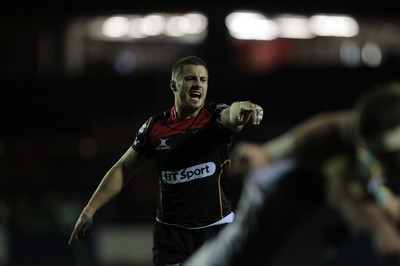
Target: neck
{"x":186,"y":113}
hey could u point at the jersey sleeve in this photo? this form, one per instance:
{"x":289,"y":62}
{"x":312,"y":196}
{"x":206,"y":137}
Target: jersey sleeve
{"x":141,"y":144}
{"x":218,"y":108}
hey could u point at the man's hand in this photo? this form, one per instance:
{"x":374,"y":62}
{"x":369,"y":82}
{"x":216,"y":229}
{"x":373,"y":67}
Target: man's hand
{"x":83,"y":226}
{"x":246,"y":110}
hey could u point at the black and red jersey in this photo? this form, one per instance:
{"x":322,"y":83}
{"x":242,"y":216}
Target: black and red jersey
{"x":192,"y":157}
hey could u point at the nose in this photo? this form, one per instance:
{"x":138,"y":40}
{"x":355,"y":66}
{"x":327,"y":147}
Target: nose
{"x":196,"y":83}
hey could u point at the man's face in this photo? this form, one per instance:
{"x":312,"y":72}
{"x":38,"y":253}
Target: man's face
{"x":191,"y":86}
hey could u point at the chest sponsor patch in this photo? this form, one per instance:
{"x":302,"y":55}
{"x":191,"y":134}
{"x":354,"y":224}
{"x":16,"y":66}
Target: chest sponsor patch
{"x":188,"y":174}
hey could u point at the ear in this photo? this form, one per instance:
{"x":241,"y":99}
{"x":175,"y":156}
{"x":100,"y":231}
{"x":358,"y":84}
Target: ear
{"x":173,"y":85}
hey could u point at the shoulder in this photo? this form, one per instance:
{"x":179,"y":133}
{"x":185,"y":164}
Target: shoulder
{"x":163,"y":116}
{"x":154,"y":119}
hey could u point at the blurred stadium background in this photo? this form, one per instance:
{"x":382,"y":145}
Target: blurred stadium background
{"x":78,"y":80}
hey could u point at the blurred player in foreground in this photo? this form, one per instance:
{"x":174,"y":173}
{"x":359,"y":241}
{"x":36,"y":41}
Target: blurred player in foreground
{"x":357,"y":152}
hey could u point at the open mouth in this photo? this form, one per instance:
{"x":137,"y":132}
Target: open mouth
{"x":196,"y":95}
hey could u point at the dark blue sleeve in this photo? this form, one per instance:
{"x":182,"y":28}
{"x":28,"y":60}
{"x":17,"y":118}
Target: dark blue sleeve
{"x":219,"y":108}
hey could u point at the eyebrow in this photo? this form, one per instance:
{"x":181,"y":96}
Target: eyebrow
{"x":193,"y":75}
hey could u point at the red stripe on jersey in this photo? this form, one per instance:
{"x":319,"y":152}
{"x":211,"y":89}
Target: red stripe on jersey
{"x":168,"y":127}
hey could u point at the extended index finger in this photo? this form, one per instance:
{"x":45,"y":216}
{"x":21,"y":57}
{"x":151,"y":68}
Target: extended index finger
{"x":257,"y":115}
{"x":73,"y":236}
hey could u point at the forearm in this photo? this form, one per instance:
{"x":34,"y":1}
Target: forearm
{"x":230,"y":118}
{"x":239,"y":113}
{"x":236,"y":117}
{"x":111,"y":184}
{"x":313,"y":136}
{"x":108,"y":188}
{"x":287,"y":143}
{"x":280,"y":147}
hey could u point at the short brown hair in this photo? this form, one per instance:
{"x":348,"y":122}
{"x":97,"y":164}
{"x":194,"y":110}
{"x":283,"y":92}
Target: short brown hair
{"x":177,"y":68}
